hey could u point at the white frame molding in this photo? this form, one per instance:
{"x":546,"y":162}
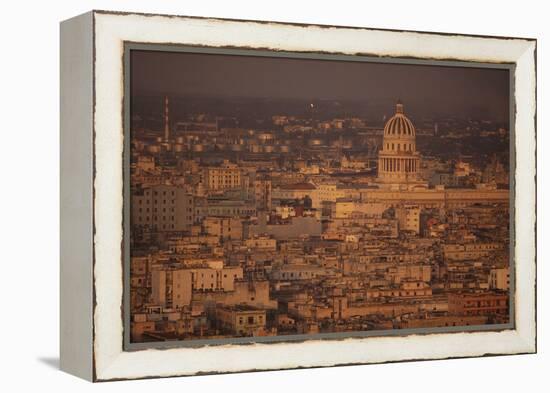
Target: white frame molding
{"x":111,"y":30}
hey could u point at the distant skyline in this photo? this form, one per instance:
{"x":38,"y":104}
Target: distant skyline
{"x":425,"y":90}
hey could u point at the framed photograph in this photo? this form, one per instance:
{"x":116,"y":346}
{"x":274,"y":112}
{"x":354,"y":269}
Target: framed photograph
{"x":246,"y":195}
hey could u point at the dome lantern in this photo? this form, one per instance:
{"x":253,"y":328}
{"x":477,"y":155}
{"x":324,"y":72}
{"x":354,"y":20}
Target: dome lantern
{"x":399,"y":107}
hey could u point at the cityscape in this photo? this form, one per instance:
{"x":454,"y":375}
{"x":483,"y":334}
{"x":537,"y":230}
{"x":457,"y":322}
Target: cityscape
{"x":299,"y":213}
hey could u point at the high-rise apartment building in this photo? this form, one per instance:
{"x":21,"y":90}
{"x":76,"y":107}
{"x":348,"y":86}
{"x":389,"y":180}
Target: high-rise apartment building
{"x":163,"y":208}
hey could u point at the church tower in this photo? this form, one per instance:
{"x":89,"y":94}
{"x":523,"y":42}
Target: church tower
{"x":398,"y":160}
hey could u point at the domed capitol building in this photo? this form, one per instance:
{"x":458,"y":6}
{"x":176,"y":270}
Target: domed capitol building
{"x":399,"y":181}
{"x":398,"y":161}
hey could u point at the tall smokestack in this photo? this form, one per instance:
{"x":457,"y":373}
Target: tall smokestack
{"x":166,"y":120}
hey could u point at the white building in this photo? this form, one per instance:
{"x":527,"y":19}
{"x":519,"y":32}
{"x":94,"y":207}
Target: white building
{"x":499,"y":278}
{"x":225,"y":176}
{"x":173,"y":288}
{"x":345,"y":208}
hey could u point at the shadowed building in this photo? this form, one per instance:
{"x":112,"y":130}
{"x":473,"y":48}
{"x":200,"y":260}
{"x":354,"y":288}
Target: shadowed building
{"x":162,"y":208}
{"x":241,"y":319}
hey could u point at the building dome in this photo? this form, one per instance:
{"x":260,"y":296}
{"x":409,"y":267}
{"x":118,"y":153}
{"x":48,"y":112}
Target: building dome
{"x":399,"y":125}
{"x":398,"y":160}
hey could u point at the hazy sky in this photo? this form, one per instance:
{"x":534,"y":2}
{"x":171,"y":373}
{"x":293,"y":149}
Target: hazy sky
{"x":459,"y":90}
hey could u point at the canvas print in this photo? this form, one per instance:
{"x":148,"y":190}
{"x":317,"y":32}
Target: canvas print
{"x":278,"y":197}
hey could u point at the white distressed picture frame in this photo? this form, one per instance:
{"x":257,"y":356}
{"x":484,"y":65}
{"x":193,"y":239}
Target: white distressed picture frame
{"x":92,"y":195}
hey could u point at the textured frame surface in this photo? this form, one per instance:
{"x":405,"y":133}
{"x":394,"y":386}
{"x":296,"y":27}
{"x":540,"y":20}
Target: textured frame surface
{"x":76,"y":196}
{"x":110,"y":33}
